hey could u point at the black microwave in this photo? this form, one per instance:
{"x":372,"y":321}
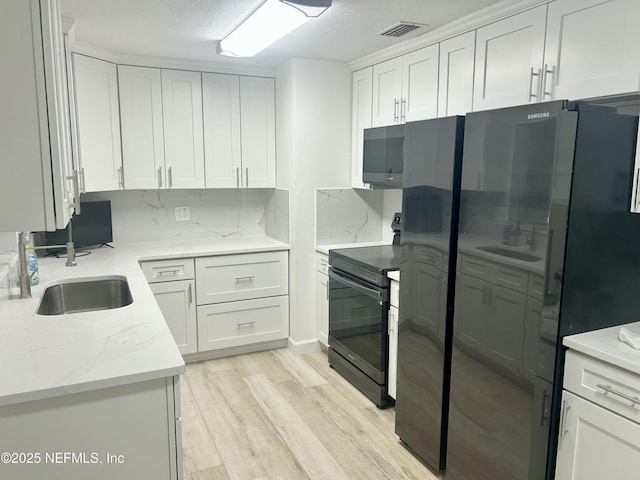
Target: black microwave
{"x":382,"y":157}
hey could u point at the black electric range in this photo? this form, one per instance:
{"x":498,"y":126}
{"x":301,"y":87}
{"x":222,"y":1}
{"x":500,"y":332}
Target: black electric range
{"x":358,"y":317}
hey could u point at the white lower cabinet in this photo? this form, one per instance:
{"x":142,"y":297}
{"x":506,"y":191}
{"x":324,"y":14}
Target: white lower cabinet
{"x":177,"y":303}
{"x":392,"y":369}
{"x":322,"y":298}
{"x":599,"y":433}
{"x":222,"y":301}
{"x":231,"y":324}
{"x":127,"y":432}
{"x":242,"y":299}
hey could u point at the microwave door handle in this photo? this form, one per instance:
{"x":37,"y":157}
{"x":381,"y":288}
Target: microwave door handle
{"x":370,"y":292}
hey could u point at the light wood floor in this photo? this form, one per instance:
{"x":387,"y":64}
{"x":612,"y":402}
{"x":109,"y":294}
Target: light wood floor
{"x":275,"y":415}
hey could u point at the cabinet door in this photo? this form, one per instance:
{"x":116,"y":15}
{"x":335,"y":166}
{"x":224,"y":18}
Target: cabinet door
{"x":505,"y":328}
{"x":183,"y":131}
{"x":257,"y":127}
{"x":221,"y":111}
{"x":471,"y":312}
{"x":592,"y":48}
{"x":455,"y":87}
{"x":322,"y":308}
{"x":387,"y":92}
{"x":232,"y":324}
{"x":361,"y":119}
{"x":142,"y":135}
{"x":392,"y":371}
{"x":588,"y":435}
{"x":177,"y":303}
{"x":98,"y":119}
{"x":419,"y":85}
{"x":509,"y":57}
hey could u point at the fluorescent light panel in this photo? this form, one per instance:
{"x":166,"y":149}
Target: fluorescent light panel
{"x":269,"y":23}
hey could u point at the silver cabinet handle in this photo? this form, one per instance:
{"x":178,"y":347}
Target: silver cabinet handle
{"x":83,"y":188}
{"x":248,"y":278}
{"x":246,"y":177}
{"x":563,"y":420}
{"x":170,"y":177}
{"x":396,"y":104}
{"x":76,"y":191}
{"x":237,"y":177}
{"x":175,"y":272}
{"x":120,"y":178}
{"x":159,"y":177}
{"x":609,"y":389}
{"x":190,"y":295}
{"x":546,"y":74}
{"x":533,"y":74}
{"x":403,"y":110}
{"x":545,"y":411}
{"x":245,"y":324}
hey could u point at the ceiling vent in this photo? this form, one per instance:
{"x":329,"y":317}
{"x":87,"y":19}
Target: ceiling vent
{"x":399,"y":29}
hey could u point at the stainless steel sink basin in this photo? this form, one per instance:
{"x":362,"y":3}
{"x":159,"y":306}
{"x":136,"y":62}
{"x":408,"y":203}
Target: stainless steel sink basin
{"x":506,"y":252}
{"x":85,"y":295}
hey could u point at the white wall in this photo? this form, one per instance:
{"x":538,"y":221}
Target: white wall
{"x":313,"y":117}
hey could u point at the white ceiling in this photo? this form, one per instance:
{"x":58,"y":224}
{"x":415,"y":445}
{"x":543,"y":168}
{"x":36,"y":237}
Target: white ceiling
{"x":189,"y":29}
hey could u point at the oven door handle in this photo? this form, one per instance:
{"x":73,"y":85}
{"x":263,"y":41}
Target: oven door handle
{"x":380,"y":295}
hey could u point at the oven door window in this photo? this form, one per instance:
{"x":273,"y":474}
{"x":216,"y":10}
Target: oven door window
{"x":358,"y":323}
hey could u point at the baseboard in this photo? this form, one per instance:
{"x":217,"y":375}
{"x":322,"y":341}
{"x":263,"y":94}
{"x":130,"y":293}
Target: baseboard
{"x":229,"y":352}
{"x":306,"y":346}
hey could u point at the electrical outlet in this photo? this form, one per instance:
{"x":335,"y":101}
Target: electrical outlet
{"x":183,"y":214}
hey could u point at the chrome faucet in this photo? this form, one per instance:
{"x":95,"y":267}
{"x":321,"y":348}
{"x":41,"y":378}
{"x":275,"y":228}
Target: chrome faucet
{"x":25,"y":278}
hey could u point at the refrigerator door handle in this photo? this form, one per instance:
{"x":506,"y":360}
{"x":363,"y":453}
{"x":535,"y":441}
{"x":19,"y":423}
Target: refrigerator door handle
{"x":547,"y":261}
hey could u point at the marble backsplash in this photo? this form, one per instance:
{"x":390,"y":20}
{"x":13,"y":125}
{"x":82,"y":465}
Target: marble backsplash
{"x":353,"y":216}
{"x":148,"y":215}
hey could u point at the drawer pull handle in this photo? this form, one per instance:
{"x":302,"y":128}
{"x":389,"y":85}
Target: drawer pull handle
{"x":608,"y":389}
{"x":248,"y":278}
{"x":168,"y":272}
{"x":246,"y":324}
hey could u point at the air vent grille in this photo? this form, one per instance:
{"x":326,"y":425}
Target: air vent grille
{"x":399,"y":29}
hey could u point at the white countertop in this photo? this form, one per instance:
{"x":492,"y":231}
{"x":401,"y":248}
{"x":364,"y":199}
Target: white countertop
{"x":46,"y":356}
{"x":604,"y":345}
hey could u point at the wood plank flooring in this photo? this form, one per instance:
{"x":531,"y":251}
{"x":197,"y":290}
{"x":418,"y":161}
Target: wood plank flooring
{"x":274,"y":415}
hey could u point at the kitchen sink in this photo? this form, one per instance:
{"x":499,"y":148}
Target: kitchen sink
{"x":85,"y":295}
{"x":506,"y":252}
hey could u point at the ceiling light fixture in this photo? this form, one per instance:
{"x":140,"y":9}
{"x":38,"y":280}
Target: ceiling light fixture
{"x":270,"y":22}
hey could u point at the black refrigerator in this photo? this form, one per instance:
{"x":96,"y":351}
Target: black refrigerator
{"x":546,"y":248}
{"x":430,"y":197}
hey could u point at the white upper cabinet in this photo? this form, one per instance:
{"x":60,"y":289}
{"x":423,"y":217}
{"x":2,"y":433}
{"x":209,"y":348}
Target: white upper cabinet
{"x":34,"y":133}
{"x":239,"y":131}
{"x":592,"y":48}
{"x":406,"y":88}
{"x":142,"y":131}
{"x":419,"y":85}
{"x":183,"y":129}
{"x":455,"y":92}
{"x":387,"y":92}
{"x":258,"y":132}
{"x":509,"y":59}
{"x":361,"y":119}
{"x":98,"y":117}
{"x":221,"y":110}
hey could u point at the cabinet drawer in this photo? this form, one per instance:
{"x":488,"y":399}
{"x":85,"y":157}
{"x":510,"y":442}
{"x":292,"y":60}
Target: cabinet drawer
{"x":228,"y":278}
{"x":394,"y":294}
{"x":232,"y":324}
{"x":510,"y":278}
{"x":322,"y":263}
{"x":168,"y":270}
{"x":603,"y":384}
{"x":476,"y":267}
